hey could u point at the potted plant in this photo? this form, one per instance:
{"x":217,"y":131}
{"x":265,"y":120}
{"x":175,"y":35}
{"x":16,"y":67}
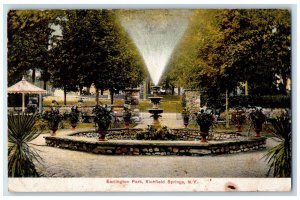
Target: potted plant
{"x":186,"y":116}
{"x":53,"y":118}
{"x":204,"y":120}
{"x":74,"y":117}
{"x":103,"y":117}
{"x":127,"y":117}
{"x":238,"y":117}
{"x":258,"y":118}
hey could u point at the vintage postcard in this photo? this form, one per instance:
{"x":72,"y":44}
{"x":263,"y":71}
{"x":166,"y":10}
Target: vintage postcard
{"x":149,"y":100}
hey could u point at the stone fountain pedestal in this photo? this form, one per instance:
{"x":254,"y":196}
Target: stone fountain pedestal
{"x":155,"y":111}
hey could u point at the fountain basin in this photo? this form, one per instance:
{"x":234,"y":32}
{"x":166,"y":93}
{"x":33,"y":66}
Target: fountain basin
{"x":155,"y":100}
{"x":155,"y":111}
{"x":151,"y":147}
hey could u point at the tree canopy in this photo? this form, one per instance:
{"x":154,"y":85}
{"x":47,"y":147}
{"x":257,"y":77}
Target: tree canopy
{"x":92,"y":49}
{"x":28,"y":34}
{"x":225,"y":47}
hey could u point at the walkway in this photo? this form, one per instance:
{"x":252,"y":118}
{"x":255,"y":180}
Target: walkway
{"x":66,"y":163}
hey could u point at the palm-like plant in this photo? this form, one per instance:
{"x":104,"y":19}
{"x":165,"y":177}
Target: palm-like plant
{"x":22,"y":130}
{"x":280,"y":156}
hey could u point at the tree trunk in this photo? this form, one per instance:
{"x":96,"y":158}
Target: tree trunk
{"x":179,"y":91}
{"x":97,"y":96}
{"x":173,"y":89}
{"x":65,"y":96}
{"x":33,"y":75}
{"x":284,"y":82}
{"x":111,"y":91}
{"x":45,"y":85}
{"x":45,"y":77}
{"x":88,"y":89}
{"x":80,"y":89}
{"x":149,"y":87}
{"x":102,"y":91}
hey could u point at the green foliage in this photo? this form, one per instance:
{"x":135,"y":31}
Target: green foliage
{"x":88,"y":102}
{"x":238,"y":117}
{"x":168,"y":83}
{"x":280,"y":157}
{"x":21,"y":156}
{"x":266,"y":101}
{"x":28,"y":34}
{"x":258,"y":118}
{"x":103,"y":116}
{"x":40,"y":123}
{"x":151,"y":133}
{"x":183,"y":100}
{"x":96,"y":49}
{"x":204,"y":120}
{"x":185,"y":113}
{"x":127,"y":115}
{"x":222,"y":48}
{"x":52,"y":117}
{"x":74,"y":114}
{"x":92,"y":48}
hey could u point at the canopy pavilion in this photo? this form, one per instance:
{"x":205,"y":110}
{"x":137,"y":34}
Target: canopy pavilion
{"x":25,"y":87}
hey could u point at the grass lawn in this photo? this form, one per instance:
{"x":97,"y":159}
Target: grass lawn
{"x":169,"y":103}
{"x":89,"y":102}
{"x":167,"y":106}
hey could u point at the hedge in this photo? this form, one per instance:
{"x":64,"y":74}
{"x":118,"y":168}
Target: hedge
{"x":270,"y":101}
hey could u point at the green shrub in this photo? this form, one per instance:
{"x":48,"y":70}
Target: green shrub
{"x":152,"y":134}
{"x":52,"y":117}
{"x":280,"y":156}
{"x":74,"y":115}
{"x":268,"y":101}
{"x":22,"y":130}
{"x":238,"y":117}
{"x":103,"y":116}
{"x":205,"y":121}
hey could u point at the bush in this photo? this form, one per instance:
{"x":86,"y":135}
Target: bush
{"x":103,"y":116}
{"x":269,"y":101}
{"x":152,"y":134}
{"x":258,"y":118}
{"x":238,"y":117}
{"x":40,"y":123}
{"x":74,"y":115}
{"x":21,"y":130}
{"x":205,"y":121}
{"x":52,"y":117}
{"x":280,"y":156}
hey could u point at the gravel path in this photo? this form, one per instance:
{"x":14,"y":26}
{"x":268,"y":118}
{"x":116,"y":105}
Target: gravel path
{"x":66,"y":163}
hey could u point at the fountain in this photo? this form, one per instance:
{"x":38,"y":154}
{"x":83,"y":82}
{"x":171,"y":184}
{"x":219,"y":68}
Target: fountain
{"x":156,"y":34}
{"x":155,"y":110}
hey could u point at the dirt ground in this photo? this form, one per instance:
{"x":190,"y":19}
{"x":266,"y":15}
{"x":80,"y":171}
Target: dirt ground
{"x":67,"y":163}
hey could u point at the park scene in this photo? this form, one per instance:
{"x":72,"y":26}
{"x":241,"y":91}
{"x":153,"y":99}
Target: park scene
{"x":149,"y":93}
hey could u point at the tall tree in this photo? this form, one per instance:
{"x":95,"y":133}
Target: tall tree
{"x":70,"y":51}
{"x":224,"y":47}
{"x":96,"y":50}
{"x":28,"y":40}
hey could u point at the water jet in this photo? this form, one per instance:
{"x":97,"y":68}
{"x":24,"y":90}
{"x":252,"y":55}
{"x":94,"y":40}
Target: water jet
{"x":156,"y":34}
